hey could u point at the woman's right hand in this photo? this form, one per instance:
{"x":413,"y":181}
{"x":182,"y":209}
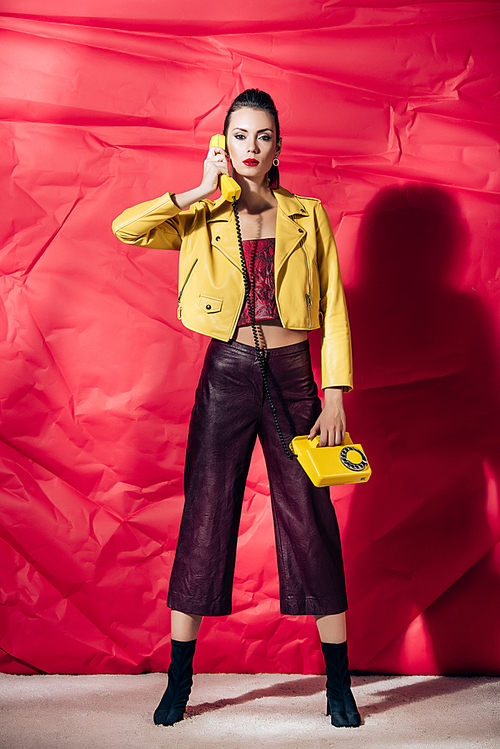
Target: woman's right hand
{"x":214,"y":165}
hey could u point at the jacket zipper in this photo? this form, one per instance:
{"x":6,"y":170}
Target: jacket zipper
{"x":308,"y":295}
{"x":181,"y":292}
{"x":320,"y":313}
{"x":228,"y":258}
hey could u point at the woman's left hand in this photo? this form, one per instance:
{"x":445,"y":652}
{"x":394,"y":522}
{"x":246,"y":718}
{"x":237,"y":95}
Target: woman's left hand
{"x":331,"y":423}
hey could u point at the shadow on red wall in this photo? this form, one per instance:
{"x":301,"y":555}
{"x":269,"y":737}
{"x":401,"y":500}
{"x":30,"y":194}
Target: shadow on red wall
{"x":420,"y":537}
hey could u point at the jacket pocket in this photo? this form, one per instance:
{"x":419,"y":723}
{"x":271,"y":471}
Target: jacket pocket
{"x":209,"y":304}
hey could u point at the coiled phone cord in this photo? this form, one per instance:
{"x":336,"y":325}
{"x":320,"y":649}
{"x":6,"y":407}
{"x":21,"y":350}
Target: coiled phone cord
{"x":260,"y":351}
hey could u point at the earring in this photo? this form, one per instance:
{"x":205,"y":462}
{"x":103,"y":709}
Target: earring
{"x":276,"y":161}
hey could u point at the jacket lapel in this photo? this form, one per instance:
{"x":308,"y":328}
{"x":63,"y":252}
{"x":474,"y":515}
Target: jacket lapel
{"x":290,"y":231}
{"x":223,"y":230}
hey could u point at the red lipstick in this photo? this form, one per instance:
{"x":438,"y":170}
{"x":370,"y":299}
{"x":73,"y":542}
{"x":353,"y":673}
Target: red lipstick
{"x":251,"y":162}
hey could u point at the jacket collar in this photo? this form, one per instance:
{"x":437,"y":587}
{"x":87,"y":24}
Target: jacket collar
{"x":288,"y":204}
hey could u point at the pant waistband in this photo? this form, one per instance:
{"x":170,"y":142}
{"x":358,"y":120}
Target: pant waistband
{"x":244,"y":349}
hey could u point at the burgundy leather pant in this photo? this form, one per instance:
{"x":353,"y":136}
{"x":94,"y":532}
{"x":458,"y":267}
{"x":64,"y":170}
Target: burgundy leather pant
{"x":230,"y":411}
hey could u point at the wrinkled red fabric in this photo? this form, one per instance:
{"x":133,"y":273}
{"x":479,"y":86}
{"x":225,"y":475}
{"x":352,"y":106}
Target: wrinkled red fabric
{"x":390,"y":115}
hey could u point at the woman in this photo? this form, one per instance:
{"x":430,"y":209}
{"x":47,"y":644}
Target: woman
{"x":295,"y":287}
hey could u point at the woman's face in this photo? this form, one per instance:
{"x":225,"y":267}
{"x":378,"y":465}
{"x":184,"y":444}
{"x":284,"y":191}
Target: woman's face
{"x":251,"y":142}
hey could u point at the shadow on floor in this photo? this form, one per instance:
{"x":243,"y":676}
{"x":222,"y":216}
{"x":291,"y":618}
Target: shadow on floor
{"x":423,"y":690}
{"x":296,"y":688}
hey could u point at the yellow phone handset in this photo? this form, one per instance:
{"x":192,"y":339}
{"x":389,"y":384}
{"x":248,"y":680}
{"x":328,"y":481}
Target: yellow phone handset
{"x":229,"y":187}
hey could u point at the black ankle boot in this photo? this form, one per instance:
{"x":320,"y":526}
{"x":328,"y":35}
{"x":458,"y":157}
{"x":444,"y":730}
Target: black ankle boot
{"x":340,"y":703}
{"x":180,"y":680}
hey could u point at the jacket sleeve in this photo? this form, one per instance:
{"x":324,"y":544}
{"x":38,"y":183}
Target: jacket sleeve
{"x":336,"y":354}
{"x":158,"y":224}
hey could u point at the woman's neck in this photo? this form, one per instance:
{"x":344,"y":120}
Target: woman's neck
{"x":255,"y":197}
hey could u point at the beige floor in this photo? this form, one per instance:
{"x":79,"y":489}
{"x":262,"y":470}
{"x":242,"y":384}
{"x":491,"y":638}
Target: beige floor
{"x":231,"y":710}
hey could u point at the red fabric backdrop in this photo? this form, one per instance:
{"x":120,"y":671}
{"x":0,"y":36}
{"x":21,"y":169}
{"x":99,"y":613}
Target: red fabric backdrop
{"x":390,"y":115}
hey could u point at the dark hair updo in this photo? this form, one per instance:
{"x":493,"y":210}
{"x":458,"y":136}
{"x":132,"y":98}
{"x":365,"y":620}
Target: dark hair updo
{"x":254,"y":98}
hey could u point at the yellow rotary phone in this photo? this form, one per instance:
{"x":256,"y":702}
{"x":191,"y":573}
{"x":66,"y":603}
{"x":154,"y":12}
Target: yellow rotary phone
{"x":328,"y":466}
{"x":228,"y":186}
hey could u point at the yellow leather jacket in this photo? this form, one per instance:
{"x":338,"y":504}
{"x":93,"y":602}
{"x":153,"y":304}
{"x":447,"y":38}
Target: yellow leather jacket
{"x":309,"y":292}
